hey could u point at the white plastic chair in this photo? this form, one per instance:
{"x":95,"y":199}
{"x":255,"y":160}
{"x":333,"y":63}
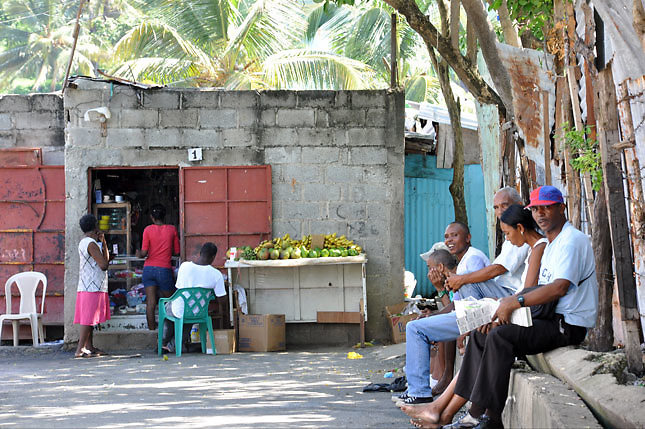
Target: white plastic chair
{"x":27,"y":283}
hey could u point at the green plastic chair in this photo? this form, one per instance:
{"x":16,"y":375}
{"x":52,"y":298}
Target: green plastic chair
{"x":196,"y":301}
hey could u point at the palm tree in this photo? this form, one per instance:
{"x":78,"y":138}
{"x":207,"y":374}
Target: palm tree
{"x":238,"y":44}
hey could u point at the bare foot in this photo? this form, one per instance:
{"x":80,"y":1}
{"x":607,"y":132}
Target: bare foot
{"x":442,"y":384}
{"x":425,"y":412}
{"x":422,"y":424}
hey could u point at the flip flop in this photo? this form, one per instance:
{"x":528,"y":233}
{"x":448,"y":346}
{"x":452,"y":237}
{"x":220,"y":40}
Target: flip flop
{"x":84,"y":355}
{"x":99,"y":352}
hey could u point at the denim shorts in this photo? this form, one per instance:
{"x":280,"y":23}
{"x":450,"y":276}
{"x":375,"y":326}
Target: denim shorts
{"x":163,"y":278}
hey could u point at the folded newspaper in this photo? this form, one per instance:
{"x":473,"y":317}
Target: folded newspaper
{"x":473,"y":313}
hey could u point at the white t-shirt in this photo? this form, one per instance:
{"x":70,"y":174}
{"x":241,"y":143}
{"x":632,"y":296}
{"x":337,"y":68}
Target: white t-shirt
{"x":570,"y":257}
{"x":512,"y":258}
{"x":526,"y":264}
{"x":91,"y":278}
{"x":192,"y":275}
{"x":473,"y":260}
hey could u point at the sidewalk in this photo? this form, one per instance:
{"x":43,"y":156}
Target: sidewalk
{"x":301,"y":388}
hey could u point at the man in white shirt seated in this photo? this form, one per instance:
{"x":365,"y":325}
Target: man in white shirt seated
{"x":194,"y":274}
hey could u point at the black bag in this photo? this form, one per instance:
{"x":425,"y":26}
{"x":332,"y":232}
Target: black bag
{"x":541,"y":311}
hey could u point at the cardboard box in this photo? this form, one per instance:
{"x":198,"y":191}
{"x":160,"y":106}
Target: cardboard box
{"x":398,"y":322}
{"x":224,"y":342}
{"x":262,"y":333}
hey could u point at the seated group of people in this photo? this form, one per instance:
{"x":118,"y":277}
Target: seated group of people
{"x":560,"y":261}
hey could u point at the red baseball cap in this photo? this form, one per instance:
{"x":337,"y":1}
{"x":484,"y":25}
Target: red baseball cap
{"x":545,"y":196}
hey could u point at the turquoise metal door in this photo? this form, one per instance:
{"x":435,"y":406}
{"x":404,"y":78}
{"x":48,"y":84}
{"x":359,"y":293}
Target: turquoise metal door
{"x":428,"y":209}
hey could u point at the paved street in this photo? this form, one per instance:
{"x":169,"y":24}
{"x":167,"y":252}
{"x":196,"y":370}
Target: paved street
{"x":318,"y":388}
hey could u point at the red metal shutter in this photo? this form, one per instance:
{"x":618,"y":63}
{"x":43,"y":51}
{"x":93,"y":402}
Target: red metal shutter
{"x":230,"y":206}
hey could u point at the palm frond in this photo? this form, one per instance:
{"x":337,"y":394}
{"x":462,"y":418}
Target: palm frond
{"x":158,"y":70}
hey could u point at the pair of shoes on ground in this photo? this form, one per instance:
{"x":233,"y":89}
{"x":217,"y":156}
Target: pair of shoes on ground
{"x":405,"y":399}
{"x":468,"y":422}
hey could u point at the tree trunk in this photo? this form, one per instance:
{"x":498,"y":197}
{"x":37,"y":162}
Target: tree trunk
{"x":510,"y":34}
{"x":601,"y":338}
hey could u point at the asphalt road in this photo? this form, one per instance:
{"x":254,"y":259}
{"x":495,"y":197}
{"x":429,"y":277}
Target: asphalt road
{"x":47,"y":388}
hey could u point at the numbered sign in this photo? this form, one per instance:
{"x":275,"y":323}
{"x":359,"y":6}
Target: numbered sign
{"x":195,"y":154}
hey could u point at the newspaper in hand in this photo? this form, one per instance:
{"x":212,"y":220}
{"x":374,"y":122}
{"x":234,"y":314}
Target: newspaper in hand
{"x":473,"y":313}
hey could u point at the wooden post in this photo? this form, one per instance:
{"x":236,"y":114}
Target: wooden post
{"x":393,"y":54}
{"x":608,"y":135}
{"x":546,"y":137}
{"x":77,"y":28}
{"x":573,"y":185}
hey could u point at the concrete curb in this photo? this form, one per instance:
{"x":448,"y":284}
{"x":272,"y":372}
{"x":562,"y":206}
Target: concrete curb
{"x":615,"y":405}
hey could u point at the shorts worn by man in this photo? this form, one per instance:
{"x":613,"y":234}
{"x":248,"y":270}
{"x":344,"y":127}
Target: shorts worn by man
{"x":567,"y":273}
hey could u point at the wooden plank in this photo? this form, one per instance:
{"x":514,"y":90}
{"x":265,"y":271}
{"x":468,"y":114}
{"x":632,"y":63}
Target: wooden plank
{"x":573,"y":182}
{"x":608,"y":135}
{"x":547,"y":138}
{"x":338,"y":317}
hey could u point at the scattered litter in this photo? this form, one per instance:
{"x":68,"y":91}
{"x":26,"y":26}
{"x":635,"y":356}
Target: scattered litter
{"x":367,"y":344}
{"x":389,"y":374}
{"x":354,"y":355}
{"x":165,"y":357}
{"x":398,"y":385}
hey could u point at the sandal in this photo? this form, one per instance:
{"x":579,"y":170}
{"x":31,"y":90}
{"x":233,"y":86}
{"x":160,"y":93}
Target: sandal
{"x":98,"y":352}
{"x":84,"y":355}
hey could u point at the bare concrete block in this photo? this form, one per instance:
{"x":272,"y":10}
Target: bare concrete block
{"x":83,"y":137}
{"x":302,"y":173}
{"x":161,"y":99}
{"x":126,"y":137}
{"x":343,"y":174}
{"x":368,"y":156}
{"x":302,"y":210}
{"x":267,"y":118}
{"x":295,"y":118}
{"x":308,"y":99}
{"x":40,"y":138}
{"x":315,"y":137}
{"x":247,"y":118}
{"x":15,"y":103}
{"x":7,"y":139}
{"x":282,"y":155}
{"x":325,"y":226}
{"x":347,"y":211}
{"x":139,"y":118}
{"x":369,"y":98}
{"x":377,"y":118}
{"x":239,"y":137}
{"x":343,"y":99}
{"x":53,"y":156}
{"x":5,"y":121}
{"x":51,"y":102}
{"x":168,"y":137}
{"x":84,"y":99}
{"x":202,"y":138}
{"x":366,"y":137}
{"x":321,"y":192}
{"x":234,"y":156}
{"x":186,"y":118}
{"x":38,"y":120}
{"x":200,"y":98}
{"x":362,"y":229}
{"x":277,"y":99}
{"x":279,"y":137}
{"x":239,"y":99}
{"x":376,"y":174}
{"x":320,"y":155}
{"x":340,"y":137}
{"x":124,"y":97}
{"x":287,"y":192}
{"x":293,"y":227}
{"x":371,"y":192}
{"x":347,"y":117}
{"x":218,"y":118}
{"x":322,"y":119}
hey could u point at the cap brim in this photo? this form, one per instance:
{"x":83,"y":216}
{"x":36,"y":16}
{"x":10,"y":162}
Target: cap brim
{"x":542,"y":203}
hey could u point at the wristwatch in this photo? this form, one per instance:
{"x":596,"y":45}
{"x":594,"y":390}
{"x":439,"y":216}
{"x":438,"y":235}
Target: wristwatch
{"x":442,"y":293}
{"x":520,"y":299}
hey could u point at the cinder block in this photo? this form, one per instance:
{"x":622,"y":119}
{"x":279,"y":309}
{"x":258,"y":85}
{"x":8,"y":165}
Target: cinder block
{"x":200,"y":98}
{"x":186,"y":118}
{"x":362,"y":229}
{"x":7,"y":139}
{"x":247,"y":118}
{"x":376,"y":174}
{"x":276,"y":173}
{"x":325,"y":226}
{"x":277,"y":99}
{"x":282,"y":155}
{"x":224,"y":156}
{"x":267,"y":118}
{"x":377,"y":118}
{"x":343,"y":174}
{"x":293,"y":227}
{"x":51,"y":102}
{"x":126,"y":137}
{"x":140,"y":118}
{"x":287,"y":192}
{"x":161,"y":99}
{"x":379,"y":213}
{"x":347,"y":211}
{"x":315,"y":137}
{"x":5,"y":121}
{"x":343,"y":99}
{"x":295,"y":118}
{"x":279,"y":137}
{"x":347,"y":117}
{"x":366,"y":137}
{"x":202,"y":138}
{"x":238,"y":99}
{"x":322,"y":119}
{"x":367,"y":156}
{"x":82,"y":137}
{"x":369,"y":98}
{"x":239,"y":137}
{"x":167,"y":137}
{"x":321,"y":192}
{"x":219,"y":118}
{"x":37,"y":120}
{"x":302,"y":173}
{"x":54,"y":156}
{"x":124,"y":97}
{"x":320,"y":155}
{"x":15,"y":103}
{"x":340,"y":137}
{"x":40,"y":138}
{"x":302,"y":210}
{"x":84,"y":100}
{"x":369,"y":192}
{"x":310,"y":99}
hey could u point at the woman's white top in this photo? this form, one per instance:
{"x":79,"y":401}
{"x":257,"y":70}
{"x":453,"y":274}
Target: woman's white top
{"x":91,"y":278}
{"x":526,"y":262}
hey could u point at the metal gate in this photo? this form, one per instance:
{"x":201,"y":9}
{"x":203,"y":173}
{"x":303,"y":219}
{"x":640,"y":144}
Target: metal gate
{"x":230,"y":206}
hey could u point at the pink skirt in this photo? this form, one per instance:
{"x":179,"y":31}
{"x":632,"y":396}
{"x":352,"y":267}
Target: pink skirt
{"x":92,"y":308}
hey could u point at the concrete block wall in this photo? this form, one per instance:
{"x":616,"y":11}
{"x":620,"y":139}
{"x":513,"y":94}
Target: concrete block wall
{"x":34,"y":120}
{"x":337,"y":162}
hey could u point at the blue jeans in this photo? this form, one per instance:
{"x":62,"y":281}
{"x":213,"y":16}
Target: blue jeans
{"x":421,"y":334}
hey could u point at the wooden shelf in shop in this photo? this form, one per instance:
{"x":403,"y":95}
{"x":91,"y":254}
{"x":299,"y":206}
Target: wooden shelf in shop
{"x":114,"y":231}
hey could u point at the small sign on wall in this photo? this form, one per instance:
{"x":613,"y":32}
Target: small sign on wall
{"x":195,"y":154}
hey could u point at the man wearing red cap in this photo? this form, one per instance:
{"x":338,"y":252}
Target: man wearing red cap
{"x":567,"y":274}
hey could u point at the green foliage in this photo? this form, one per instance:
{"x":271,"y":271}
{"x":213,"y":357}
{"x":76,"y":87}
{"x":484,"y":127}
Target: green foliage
{"x":586,"y":157}
{"x":531,"y":15}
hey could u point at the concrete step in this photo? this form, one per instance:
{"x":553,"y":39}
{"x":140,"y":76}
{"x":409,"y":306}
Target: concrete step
{"x":126,"y":340}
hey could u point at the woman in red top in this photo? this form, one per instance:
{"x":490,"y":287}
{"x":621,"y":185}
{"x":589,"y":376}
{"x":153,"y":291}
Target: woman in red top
{"x":160,"y":242}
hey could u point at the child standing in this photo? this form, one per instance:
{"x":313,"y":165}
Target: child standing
{"x":92,"y":300}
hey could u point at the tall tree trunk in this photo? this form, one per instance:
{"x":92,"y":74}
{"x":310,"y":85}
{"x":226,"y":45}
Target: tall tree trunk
{"x":601,"y":338}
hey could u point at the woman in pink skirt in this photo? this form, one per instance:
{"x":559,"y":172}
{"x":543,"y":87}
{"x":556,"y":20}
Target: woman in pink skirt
{"x":92,"y":300}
